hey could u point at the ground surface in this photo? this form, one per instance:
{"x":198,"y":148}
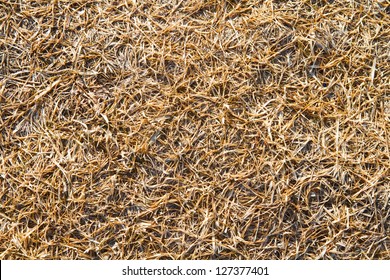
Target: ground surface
{"x":194,"y":129}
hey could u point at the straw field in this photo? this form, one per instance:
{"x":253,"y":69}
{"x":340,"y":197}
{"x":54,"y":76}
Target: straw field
{"x":194,"y":129}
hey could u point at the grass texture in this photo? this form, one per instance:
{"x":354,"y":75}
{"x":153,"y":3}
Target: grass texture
{"x":194,"y":129}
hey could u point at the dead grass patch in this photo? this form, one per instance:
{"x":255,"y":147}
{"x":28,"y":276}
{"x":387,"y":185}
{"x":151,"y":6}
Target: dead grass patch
{"x":194,"y":129}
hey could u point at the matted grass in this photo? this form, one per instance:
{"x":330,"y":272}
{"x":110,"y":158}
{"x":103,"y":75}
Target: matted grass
{"x":194,"y":129}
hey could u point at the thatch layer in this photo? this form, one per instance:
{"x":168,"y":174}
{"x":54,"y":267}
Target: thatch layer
{"x":194,"y":129}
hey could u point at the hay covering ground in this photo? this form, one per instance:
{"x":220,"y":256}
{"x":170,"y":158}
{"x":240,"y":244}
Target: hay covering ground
{"x":194,"y":129}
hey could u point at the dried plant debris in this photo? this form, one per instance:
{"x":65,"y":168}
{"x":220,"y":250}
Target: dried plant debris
{"x":194,"y":129}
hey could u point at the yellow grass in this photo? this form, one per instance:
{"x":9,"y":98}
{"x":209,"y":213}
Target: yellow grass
{"x":194,"y":129}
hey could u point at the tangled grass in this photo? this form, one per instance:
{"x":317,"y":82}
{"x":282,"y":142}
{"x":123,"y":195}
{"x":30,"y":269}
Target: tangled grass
{"x":194,"y":129}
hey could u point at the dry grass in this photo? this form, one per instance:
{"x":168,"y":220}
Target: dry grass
{"x":194,"y":129}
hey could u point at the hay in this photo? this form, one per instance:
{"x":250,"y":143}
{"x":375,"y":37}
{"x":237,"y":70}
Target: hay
{"x":194,"y":129}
